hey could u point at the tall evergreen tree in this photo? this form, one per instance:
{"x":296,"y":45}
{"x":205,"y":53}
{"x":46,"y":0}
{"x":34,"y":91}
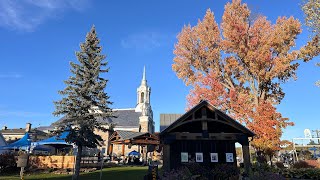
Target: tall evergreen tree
{"x":84,"y":93}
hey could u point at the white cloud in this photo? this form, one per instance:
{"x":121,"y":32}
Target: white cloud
{"x":10,"y":75}
{"x":26,"y":15}
{"x":145,"y":40}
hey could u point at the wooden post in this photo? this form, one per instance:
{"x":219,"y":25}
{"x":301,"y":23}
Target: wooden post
{"x":166,"y":157}
{"x":246,"y":156}
{"x":21,"y":173}
{"x":110,"y":151}
{"x":123,"y":147}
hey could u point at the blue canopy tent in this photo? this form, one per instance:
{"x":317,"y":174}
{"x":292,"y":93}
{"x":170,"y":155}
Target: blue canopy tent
{"x":134,"y":153}
{"x":55,"y":140}
{"x":24,"y":143}
{"x":58,"y":142}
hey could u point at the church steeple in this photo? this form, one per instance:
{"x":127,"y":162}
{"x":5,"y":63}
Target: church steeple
{"x":144,"y":80}
{"x":144,"y":74}
{"x":144,"y":106}
{"x":143,"y":92}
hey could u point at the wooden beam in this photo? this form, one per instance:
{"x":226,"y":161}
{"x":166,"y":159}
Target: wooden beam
{"x":145,"y":142}
{"x":123,"y":148}
{"x":204,"y":125}
{"x":110,"y":149}
{"x":166,"y":157}
{"x":246,"y":157}
{"x":212,"y":136}
{"x":204,"y":113}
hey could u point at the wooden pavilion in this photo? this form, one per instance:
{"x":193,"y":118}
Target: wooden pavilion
{"x":145,"y":140}
{"x":204,"y":135}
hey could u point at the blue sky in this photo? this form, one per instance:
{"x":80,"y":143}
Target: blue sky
{"x":39,"y":38}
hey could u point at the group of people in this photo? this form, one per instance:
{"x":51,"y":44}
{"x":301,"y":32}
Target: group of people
{"x":133,"y":160}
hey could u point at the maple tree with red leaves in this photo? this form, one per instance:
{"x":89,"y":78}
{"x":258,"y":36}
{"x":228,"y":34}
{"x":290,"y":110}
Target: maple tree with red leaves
{"x":240,"y":65}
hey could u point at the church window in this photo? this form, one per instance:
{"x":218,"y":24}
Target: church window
{"x":142,"y":97}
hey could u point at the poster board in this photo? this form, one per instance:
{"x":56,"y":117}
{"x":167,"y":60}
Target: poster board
{"x":199,"y":157}
{"x":229,"y":157}
{"x":214,"y":157}
{"x":184,"y":157}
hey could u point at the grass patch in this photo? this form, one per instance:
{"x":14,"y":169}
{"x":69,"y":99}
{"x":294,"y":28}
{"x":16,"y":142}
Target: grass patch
{"x":119,"y":173}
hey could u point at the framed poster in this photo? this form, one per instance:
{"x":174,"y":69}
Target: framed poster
{"x":229,"y":157}
{"x":184,"y":157}
{"x":199,"y":157}
{"x":214,"y":157}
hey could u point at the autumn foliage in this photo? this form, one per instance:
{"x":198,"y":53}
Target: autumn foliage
{"x":240,"y":65}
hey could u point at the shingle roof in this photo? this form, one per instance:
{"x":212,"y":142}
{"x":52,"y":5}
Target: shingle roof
{"x":124,"y":118}
{"x":129,"y":134}
{"x":13,"y":131}
{"x":22,"y":131}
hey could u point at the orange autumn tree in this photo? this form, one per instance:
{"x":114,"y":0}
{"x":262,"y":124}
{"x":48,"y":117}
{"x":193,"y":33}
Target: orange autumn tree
{"x":240,"y":65}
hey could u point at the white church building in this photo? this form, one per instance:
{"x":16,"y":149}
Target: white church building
{"x":129,"y":121}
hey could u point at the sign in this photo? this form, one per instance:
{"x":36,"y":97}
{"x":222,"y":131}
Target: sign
{"x":307,"y":133}
{"x":199,"y":157}
{"x":184,"y":157}
{"x":22,"y":160}
{"x":229,"y":157}
{"x":214,"y":157}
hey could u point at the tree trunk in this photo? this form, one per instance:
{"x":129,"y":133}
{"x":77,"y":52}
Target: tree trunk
{"x":78,"y":162}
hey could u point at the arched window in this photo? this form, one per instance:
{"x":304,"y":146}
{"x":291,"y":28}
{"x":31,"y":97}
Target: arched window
{"x":142,"y":97}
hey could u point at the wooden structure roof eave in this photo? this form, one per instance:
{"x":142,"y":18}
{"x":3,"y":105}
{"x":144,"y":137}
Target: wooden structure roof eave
{"x":232,"y":121}
{"x":143,"y":139}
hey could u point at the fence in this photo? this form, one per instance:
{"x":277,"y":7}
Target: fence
{"x":62,"y":162}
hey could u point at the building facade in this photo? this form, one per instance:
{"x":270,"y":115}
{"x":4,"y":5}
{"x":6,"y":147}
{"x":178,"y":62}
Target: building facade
{"x":12,"y":135}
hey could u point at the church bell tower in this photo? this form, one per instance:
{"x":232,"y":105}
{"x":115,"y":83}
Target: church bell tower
{"x":144,"y":106}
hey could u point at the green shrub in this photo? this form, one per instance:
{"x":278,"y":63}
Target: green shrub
{"x":266,"y":176}
{"x":225,"y":171}
{"x":279,"y":165}
{"x":197,"y":169}
{"x":181,"y":173}
{"x":7,"y":163}
{"x":303,"y":173}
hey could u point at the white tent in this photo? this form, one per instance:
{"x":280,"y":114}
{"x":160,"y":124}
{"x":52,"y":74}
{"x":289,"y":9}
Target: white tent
{"x":2,"y":140}
{"x":2,"y":143}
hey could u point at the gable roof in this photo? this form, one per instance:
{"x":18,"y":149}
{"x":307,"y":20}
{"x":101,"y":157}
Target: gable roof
{"x":123,"y":118}
{"x":129,"y":134}
{"x":204,"y":103}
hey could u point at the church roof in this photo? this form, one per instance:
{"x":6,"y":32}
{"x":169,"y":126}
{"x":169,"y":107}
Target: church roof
{"x":124,"y":118}
{"x":129,"y":134}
